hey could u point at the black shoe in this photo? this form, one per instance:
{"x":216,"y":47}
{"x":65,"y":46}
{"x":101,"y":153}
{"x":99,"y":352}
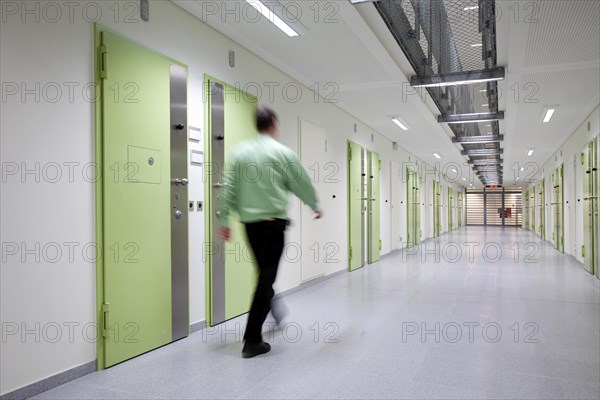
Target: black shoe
{"x":254,"y":349}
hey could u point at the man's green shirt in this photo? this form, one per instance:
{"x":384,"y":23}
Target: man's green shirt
{"x":257,"y":180}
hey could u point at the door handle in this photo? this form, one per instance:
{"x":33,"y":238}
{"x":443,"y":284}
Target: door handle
{"x":179,"y":181}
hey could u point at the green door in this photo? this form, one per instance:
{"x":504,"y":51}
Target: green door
{"x":558,"y":235}
{"x":588,"y":208}
{"x":355,"y":205}
{"x":230,"y":283}
{"x":533,"y":208}
{"x":413,"y":208}
{"x":596,"y":201}
{"x":373,"y":221}
{"x":136,"y":222}
{"x":410,"y":206}
{"x":542,"y":208}
{"x":526,"y":209}
{"x":450,"y":209}
{"x":418,"y":202}
{"x":437,"y":224}
{"x":460,"y":209}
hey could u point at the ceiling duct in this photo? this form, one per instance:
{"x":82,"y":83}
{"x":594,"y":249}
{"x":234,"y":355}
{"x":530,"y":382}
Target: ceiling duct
{"x":451,"y":46}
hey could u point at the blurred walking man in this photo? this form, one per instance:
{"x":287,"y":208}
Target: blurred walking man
{"x":263,"y":171}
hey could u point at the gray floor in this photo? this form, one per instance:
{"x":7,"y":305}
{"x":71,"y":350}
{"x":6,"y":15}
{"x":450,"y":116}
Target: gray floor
{"x":353,"y":336}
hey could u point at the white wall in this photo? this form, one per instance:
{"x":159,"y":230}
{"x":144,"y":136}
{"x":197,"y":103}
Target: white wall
{"x":60,"y":134}
{"x":569,"y":154}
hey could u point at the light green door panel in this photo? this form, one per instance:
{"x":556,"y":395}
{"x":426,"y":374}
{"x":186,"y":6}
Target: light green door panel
{"x":460,"y":209}
{"x":590,"y":160}
{"x":533,"y":208}
{"x":596,"y":196}
{"x":419,"y":202}
{"x":410,"y":214}
{"x":136,"y":199}
{"x":355,"y":204}
{"x":450,"y":209}
{"x":373,"y":189}
{"x":437,"y":224}
{"x":558,"y":206}
{"x":413,"y":183}
{"x":542,"y":208}
{"x":588,"y":208}
{"x":240,"y":272}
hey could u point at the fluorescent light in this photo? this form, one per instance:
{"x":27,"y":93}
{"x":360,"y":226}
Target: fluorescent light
{"x":477,"y":45}
{"x":400,"y":124}
{"x":455,"y":83}
{"x":482,"y":152}
{"x":470,"y":118}
{"x":478,"y":139}
{"x":464,"y":179}
{"x":522,"y":168}
{"x":485,"y":105}
{"x":489,"y":125}
{"x":454,"y":170}
{"x":437,"y":155}
{"x":529,"y":152}
{"x":549,"y":114}
{"x":268,"y":14}
{"x":458,"y":78}
{"x":470,"y":8}
{"x":483,"y":90}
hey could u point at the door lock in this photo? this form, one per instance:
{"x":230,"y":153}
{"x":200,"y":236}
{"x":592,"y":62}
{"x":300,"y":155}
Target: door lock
{"x":178,"y":181}
{"x":178,"y":214}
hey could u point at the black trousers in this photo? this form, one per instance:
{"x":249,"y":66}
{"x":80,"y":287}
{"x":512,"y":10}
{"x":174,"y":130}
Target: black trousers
{"x":267,"y":240}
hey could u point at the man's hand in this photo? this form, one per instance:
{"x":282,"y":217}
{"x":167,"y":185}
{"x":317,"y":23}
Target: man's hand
{"x":318,"y":214}
{"x":225,"y":233}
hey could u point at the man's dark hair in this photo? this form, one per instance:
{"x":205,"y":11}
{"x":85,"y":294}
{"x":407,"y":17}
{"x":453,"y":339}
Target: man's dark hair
{"x":265,"y":118}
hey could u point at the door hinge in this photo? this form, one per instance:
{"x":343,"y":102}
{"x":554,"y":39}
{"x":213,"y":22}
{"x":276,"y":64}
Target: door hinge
{"x":105,"y":311}
{"x":349,"y":152}
{"x":350,"y":253}
{"x":583,"y":251}
{"x":379,"y":244}
{"x":380,"y":165}
{"x":103,"y":61}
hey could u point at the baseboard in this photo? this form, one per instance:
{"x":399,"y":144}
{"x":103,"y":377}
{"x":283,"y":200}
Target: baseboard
{"x":51,"y":382}
{"x":197,"y":326}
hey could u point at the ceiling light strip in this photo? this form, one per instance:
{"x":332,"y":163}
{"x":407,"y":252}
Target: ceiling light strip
{"x":470,"y":118}
{"x":478,"y":139}
{"x":459,"y":78}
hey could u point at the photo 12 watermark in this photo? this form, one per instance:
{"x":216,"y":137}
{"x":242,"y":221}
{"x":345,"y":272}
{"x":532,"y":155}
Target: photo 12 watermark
{"x":290,"y":332}
{"x":468,"y":332}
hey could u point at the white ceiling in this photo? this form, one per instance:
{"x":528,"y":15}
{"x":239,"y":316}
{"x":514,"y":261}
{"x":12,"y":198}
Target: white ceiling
{"x":550,"y":51}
